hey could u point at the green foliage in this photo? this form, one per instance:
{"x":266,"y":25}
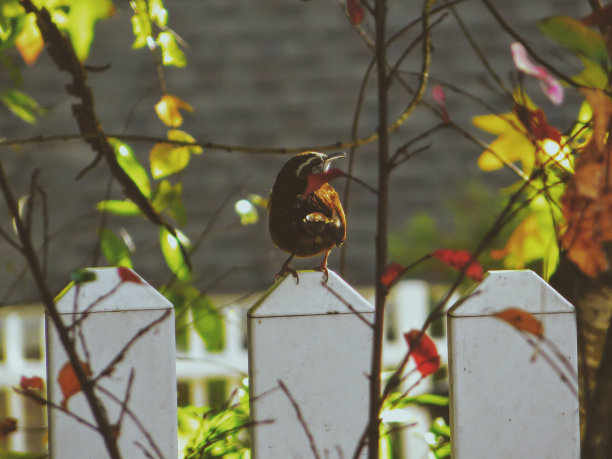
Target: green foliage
{"x":81,"y":20}
{"x":205,"y":317}
{"x":216,"y":433}
{"x":132,"y":167}
{"x":470,"y":213}
{"x":114,"y":249}
{"x":576,"y":37}
{"x":22,"y":105}
{"x":171,"y":249}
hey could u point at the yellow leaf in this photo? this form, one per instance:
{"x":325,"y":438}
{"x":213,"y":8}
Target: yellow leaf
{"x":29,"y":42}
{"x":167,"y":159}
{"x":511,"y":145}
{"x":169,"y":110}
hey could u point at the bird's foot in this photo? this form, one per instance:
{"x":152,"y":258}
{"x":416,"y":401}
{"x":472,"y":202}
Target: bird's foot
{"x":324,"y":270}
{"x":286,"y":269}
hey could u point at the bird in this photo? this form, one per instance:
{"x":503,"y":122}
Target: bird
{"x":305,"y":225}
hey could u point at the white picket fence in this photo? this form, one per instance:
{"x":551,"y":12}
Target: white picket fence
{"x":309,"y":353}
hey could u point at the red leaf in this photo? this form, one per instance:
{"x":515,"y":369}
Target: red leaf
{"x":35,"y":382}
{"x":392,"y":273}
{"x":438,"y":94}
{"x":458,"y":259}
{"x":522,"y":320}
{"x":424,"y":352}
{"x":68,"y":381}
{"x":355,"y":11}
{"x":127,"y":275}
{"x":536,"y":123}
{"x":316,"y":181}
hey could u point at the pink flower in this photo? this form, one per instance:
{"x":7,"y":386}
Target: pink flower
{"x":551,"y":87}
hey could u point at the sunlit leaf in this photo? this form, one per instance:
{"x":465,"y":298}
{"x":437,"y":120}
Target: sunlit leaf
{"x":29,"y":42}
{"x":246,"y":211}
{"x":169,"y":110}
{"x":177,"y":135}
{"x":576,"y":37}
{"x":141,"y":23}
{"x":132,"y":167}
{"x":171,"y":250}
{"x":82,"y":19}
{"x":208,"y":323}
{"x":123,"y":208}
{"x":171,"y":52}
{"x":399,"y":400}
{"x":258,"y":200}
{"x":593,"y":75}
{"x":522,"y":320}
{"x":21,"y":105}
{"x":167,"y":159}
{"x":158,"y":13}
{"x":68,"y":382}
{"x":424,"y":352}
{"x":511,"y":145}
{"x":114,"y":249}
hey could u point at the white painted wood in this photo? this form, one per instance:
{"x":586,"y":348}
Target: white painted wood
{"x":108,"y":328}
{"x":506,"y":400}
{"x":310,"y":340}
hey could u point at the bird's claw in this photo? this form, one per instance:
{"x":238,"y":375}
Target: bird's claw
{"x":324,"y":270}
{"x":287,"y":270}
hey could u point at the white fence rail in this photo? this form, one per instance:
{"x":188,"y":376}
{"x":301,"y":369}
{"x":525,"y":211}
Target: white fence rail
{"x":408,"y":306}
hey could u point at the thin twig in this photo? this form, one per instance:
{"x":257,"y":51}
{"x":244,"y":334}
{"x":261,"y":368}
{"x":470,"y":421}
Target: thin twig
{"x":349,"y":306}
{"x":121,"y":354}
{"x":298,"y":413}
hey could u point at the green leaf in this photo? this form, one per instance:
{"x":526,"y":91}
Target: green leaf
{"x":117,"y":207}
{"x":443,"y":451}
{"x":440,"y":428}
{"x":81,"y":276}
{"x":18,"y":455}
{"x":246,"y":211}
{"x":168,"y":198}
{"x":82,"y":19}
{"x":10,"y":28}
{"x":171,"y":53}
{"x":577,"y":38}
{"x":132,"y":167}
{"x":181,"y":136}
{"x":167,"y":159}
{"x":141,"y":24}
{"x":593,"y":76}
{"x":158,"y":13}
{"x":21,"y":105}
{"x":114,"y":249}
{"x":171,"y":250}
{"x":423,"y":399}
{"x":208,"y":323}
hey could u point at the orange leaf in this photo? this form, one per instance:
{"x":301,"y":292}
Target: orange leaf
{"x":169,"y":110}
{"x":69,"y":384}
{"x":29,"y":43}
{"x":35,"y":382}
{"x":316,"y":181}
{"x":7,"y":426}
{"x":127,"y":275}
{"x":355,"y":11}
{"x":458,"y":259}
{"x":392,"y":273}
{"x":522,"y":320}
{"x":424,"y":352}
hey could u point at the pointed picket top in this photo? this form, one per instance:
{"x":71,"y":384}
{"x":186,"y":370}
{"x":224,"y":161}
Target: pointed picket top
{"x":113,"y":289}
{"x":522,"y":289}
{"x":310,"y":297}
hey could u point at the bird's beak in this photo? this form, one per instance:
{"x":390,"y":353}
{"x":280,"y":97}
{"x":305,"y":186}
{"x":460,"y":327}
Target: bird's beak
{"x":330,"y":157}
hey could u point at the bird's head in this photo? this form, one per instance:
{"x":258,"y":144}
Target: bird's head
{"x":308,"y":163}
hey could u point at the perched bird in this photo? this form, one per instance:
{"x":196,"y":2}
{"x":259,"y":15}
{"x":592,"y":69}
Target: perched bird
{"x":305,"y":224}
